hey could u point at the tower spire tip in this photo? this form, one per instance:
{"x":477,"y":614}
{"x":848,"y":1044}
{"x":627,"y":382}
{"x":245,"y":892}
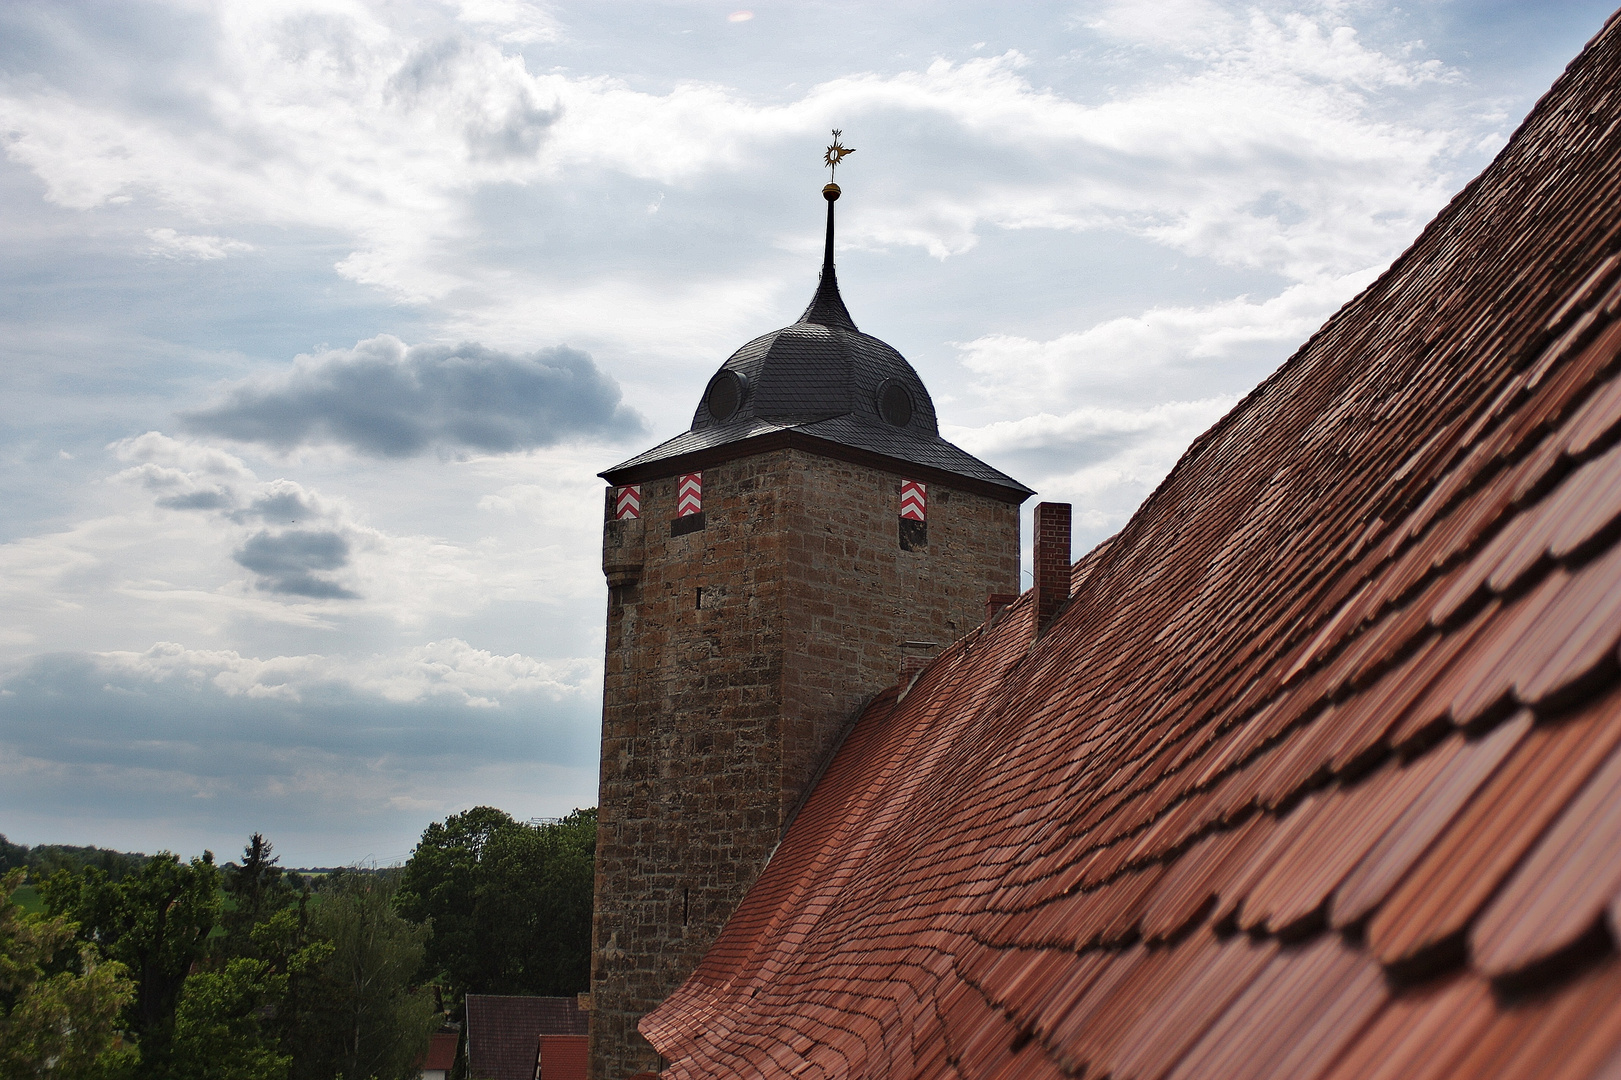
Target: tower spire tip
{"x":827,"y":307}
{"x":836,"y":152}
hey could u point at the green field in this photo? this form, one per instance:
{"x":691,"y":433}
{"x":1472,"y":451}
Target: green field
{"x":28,"y":899}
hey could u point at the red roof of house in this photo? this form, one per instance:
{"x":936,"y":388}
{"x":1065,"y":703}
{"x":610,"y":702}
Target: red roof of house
{"x":503,"y":1032}
{"x":441,"y":1051}
{"x":562,"y":1057}
{"x":1318,"y":773}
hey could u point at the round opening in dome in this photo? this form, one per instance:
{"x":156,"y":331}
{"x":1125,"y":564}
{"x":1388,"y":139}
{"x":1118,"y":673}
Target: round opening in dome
{"x":894,"y":403}
{"x":725,"y":394}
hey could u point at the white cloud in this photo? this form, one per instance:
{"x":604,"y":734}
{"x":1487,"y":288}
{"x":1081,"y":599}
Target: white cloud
{"x":521,"y":22}
{"x":1312,"y":45}
{"x":1104,"y":461}
{"x":451,"y":668}
{"x":1138,"y":359}
{"x":301,"y":548}
{"x":360,"y":119}
{"x":190,"y":543}
{"x":174,"y":245}
{"x":1150,"y":384}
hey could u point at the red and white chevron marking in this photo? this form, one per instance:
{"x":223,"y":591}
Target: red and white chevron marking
{"x":914,"y":500}
{"x":628,"y":502}
{"x":689,"y":494}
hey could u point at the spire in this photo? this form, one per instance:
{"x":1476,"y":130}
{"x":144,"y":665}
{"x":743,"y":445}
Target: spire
{"x":827,"y":307}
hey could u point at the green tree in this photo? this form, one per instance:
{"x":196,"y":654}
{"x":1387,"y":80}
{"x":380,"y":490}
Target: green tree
{"x":156,"y":922}
{"x":46,"y":859}
{"x":59,"y":1006}
{"x":509,"y":903}
{"x":360,"y":1014}
{"x":440,"y":886}
{"x":12,"y":856}
{"x":222,"y":1024}
{"x":538,"y":883}
{"x":255,"y":890}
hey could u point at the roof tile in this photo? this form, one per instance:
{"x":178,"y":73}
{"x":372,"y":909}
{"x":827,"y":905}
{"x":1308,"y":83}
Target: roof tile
{"x":1463,"y":767}
{"x":1449,"y":885}
{"x":1565,"y":885}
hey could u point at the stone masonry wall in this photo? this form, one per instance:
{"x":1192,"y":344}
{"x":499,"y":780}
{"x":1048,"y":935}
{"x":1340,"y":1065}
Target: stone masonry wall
{"x":717,"y":712}
{"x":853,"y":596}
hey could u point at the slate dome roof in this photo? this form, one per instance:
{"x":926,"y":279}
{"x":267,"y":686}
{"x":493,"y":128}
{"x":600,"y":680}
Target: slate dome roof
{"x":835,"y":388}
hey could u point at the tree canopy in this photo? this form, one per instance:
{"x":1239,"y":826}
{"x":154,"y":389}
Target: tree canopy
{"x":367,"y":1018}
{"x":155,"y":968}
{"x":59,"y":1002}
{"x":245,"y":973}
{"x":43,"y":860}
{"x":156,"y":922}
{"x":509,"y":903}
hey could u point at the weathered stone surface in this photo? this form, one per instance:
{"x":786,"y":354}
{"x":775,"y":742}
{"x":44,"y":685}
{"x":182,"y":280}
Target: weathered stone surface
{"x":720,"y":705}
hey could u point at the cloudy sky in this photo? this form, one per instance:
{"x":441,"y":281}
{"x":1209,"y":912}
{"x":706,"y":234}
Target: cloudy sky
{"x":320,"y":317}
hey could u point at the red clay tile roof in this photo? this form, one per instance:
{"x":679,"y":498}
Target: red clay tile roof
{"x":562,"y":1057}
{"x":441,"y":1051}
{"x":503,"y":1032}
{"x":1318,"y":774}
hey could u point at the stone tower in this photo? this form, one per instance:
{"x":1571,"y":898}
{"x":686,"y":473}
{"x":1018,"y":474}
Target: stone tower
{"x":769,"y":570}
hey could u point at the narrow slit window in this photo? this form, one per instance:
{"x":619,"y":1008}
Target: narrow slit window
{"x":699,"y":604}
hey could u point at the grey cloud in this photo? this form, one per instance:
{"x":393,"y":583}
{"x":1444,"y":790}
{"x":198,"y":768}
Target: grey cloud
{"x":78,"y":707}
{"x":212,"y":499}
{"x":385,"y":400}
{"x":93,"y":751}
{"x":507,"y":123}
{"x":281,"y":506}
{"x":290,"y":562}
{"x":1070,"y":452}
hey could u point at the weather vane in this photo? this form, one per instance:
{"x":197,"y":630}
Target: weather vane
{"x":835,"y":154}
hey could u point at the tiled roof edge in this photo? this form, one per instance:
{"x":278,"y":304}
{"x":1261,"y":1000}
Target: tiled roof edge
{"x":788,"y":439}
{"x":1443,"y":219}
{"x":882,"y":698}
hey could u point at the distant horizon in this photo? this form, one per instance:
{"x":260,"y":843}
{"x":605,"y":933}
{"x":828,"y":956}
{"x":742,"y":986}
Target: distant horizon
{"x":322,"y":319}
{"x":359,"y":865}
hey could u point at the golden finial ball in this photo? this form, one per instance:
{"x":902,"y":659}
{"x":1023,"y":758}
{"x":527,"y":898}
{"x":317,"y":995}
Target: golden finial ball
{"x":831,"y":192}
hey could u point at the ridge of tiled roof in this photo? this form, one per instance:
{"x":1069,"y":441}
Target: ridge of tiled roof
{"x":1318,"y":774}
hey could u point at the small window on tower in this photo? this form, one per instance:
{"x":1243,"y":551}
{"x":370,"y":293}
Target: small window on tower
{"x":700,"y":598}
{"x":894,"y":402}
{"x":724,"y":395}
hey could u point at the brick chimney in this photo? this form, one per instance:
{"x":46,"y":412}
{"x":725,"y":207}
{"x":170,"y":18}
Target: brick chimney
{"x":1052,"y":561}
{"x":909,"y":668}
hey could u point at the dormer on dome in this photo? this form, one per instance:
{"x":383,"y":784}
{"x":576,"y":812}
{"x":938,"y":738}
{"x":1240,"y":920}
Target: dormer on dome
{"x":823,"y":384}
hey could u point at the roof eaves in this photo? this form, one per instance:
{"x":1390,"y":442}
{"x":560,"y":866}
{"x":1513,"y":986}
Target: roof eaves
{"x":652,"y":468}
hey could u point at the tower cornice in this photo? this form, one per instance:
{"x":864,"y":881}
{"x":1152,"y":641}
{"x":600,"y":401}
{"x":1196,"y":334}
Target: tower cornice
{"x":794,"y":439}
